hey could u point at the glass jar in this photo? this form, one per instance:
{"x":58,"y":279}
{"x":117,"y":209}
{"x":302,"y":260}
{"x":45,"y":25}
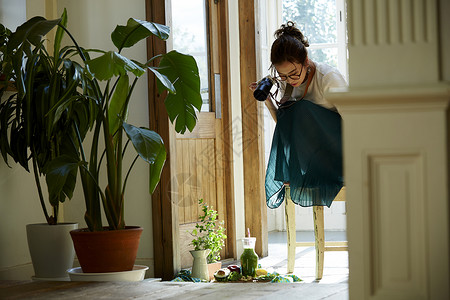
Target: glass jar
{"x":249,"y":259}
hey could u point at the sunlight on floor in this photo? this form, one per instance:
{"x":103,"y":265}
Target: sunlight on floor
{"x":335,"y":262}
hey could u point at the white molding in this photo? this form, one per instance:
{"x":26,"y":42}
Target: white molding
{"x":393,"y":41}
{"x":20,"y":272}
{"x":401,"y":97}
{"x":395,"y":215}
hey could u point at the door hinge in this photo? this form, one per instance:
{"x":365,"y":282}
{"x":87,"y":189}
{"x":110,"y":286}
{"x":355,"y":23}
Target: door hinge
{"x":217,"y":96}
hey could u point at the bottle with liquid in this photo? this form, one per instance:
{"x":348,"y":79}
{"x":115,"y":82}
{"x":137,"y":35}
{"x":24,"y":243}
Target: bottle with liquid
{"x":249,"y":259}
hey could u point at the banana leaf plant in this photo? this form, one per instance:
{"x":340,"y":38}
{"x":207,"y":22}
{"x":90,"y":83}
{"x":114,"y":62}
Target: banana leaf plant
{"x":31,"y":129}
{"x":58,"y":100}
{"x":177,"y":73}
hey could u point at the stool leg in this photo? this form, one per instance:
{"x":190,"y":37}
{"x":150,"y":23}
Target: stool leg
{"x":290,"y":228}
{"x":320,"y":239}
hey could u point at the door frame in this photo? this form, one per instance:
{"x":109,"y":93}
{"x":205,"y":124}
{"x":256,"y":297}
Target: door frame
{"x":252,"y":112}
{"x":164,"y":208}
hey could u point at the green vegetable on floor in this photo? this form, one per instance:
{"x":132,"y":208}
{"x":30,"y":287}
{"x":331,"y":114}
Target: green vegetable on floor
{"x":268,"y":277}
{"x":234,"y":276}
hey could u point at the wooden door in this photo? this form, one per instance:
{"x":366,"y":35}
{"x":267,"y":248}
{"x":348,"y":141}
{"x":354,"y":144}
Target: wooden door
{"x":203,"y":156}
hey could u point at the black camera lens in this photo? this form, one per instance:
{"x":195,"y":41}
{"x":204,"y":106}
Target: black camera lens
{"x":262,"y":90}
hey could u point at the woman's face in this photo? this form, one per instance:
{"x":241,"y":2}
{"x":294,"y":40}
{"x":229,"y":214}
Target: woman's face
{"x":291,"y":72}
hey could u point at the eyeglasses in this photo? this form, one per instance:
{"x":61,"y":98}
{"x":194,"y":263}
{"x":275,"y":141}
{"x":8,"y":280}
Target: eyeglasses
{"x":293,"y":76}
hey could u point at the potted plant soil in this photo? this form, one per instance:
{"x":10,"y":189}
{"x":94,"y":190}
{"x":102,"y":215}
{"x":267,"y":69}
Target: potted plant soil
{"x":208,"y":240}
{"x":33,"y":133}
{"x":100,"y":247}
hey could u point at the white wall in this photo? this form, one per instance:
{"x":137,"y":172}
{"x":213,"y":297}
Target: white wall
{"x":19,"y":203}
{"x":91,"y":22}
{"x":12,"y":13}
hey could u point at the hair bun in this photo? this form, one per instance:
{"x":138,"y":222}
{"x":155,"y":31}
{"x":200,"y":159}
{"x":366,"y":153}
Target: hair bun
{"x":289,"y":29}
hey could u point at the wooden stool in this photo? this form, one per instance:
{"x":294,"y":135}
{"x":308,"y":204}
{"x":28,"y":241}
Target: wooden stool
{"x":320,"y":244}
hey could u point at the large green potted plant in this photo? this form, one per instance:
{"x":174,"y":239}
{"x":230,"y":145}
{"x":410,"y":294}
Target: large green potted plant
{"x":104,"y":110}
{"x":178,"y":74}
{"x":33,"y":132}
{"x":208,"y":239}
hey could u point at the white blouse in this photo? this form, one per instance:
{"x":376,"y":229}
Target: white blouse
{"x":324,"y":78}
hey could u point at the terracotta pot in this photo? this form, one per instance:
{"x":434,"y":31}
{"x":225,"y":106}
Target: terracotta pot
{"x":107,"y":250}
{"x":212,"y":268}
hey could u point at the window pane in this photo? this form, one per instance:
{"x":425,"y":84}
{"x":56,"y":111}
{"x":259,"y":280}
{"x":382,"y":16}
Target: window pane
{"x":316,"y":19}
{"x":325,"y":55}
{"x":189,"y":37}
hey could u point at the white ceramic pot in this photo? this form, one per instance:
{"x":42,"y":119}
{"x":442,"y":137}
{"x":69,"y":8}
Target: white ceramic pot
{"x":137,"y":274}
{"x":200,"y":266}
{"x":51,"y":250}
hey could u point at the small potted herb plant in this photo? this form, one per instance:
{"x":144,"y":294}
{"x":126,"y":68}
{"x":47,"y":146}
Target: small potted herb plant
{"x":208,"y":240}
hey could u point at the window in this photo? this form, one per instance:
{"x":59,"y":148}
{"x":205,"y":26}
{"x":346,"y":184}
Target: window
{"x":189,"y":37}
{"x":323,"y":23}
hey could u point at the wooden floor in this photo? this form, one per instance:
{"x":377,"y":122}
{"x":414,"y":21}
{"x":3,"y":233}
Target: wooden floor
{"x":169,"y":290}
{"x":333,"y":286}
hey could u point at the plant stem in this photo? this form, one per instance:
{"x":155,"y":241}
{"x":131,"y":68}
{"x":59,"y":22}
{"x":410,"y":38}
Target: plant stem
{"x":74,"y":42}
{"x":83,"y":157}
{"x":41,"y":196}
{"x":125,"y":147}
{"x":83,"y":57}
{"x":153,"y":58}
{"x":128,"y":173}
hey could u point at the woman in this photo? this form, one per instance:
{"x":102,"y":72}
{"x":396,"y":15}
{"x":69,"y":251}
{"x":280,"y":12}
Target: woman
{"x":306,"y":148}
{"x":292,"y":67}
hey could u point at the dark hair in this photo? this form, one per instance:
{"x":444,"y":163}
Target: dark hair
{"x":289,"y":45}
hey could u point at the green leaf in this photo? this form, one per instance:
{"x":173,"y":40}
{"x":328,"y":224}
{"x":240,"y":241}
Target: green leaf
{"x":117,"y":103}
{"x":61,"y":176}
{"x":163,"y":79}
{"x":59,"y":34}
{"x":155,"y":171}
{"x":182,"y":71}
{"x":68,"y":92}
{"x":150,"y":147}
{"x":33,"y":30}
{"x":19,"y":147}
{"x":112,"y":64}
{"x":135,"y":31}
{"x":148,"y":144}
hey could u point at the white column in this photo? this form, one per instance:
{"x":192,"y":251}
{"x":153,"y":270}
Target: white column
{"x":396,"y":155}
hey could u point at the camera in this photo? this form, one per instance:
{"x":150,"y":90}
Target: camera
{"x":263,"y":88}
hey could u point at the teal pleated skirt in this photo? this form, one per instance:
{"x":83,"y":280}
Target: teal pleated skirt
{"x":306,"y":152}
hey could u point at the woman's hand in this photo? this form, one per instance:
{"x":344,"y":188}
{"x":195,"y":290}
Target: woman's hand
{"x":252,"y":86}
{"x":269,"y":104}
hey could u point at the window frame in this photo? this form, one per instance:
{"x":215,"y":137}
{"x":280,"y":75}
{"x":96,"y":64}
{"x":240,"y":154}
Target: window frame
{"x":341,"y":38}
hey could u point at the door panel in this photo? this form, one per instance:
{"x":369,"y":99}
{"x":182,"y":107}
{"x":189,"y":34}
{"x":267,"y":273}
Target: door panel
{"x":200,"y":154}
{"x":200,"y":176}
